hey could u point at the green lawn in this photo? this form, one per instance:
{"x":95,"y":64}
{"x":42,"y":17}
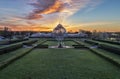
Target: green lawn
{"x":61,"y":64}
{"x":54,"y":43}
{"x":114,"y":45}
{"x":51,"y":43}
{"x":105,"y":52}
{"x":10,"y":54}
{"x":18,"y":51}
{"x":70,"y":43}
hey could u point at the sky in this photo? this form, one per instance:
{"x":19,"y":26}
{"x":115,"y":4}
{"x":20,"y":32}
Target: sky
{"x":74,"y":15}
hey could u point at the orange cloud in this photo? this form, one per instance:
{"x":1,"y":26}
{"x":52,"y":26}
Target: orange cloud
{"x":33,"y":27}
{"x":43,"y":7}
{"x":34,"y":16}
{"x":56,"y":7}
{"x":61,"y":7}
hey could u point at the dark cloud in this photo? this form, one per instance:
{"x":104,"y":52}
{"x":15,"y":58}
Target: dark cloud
{"x":44,"y":7}
{"x":32,"y":16}
{"x":65,"y":7}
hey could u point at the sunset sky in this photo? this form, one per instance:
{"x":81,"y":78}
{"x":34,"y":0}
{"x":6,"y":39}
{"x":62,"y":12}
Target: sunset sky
{"x":44,"y":15}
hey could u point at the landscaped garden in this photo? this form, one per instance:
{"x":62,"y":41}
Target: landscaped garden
{"x":32,"y":61}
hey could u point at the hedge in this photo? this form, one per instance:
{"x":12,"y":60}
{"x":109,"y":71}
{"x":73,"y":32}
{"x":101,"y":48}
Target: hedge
{"x":18,"y":40}
{"x":13,"y":47}
{"x":106,"y":41}
{"x":110,"y":48}
{"x":13,"y":58}
{"x":109,"y":58}
{"x":5,"y":42}
{"x":41,"y":46}
{"x":91,"y":42}
{"x":79,"y":45}
{"x":105,"y":47}
{"x":11,"y":41}
{"x":10,"y":48}
{"x":29,"y":43}
{"x":78,"y":42}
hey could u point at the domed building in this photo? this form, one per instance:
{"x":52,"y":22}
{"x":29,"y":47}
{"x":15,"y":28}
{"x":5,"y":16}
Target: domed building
{"x":59,"y":33}
{"x":59,"y":30}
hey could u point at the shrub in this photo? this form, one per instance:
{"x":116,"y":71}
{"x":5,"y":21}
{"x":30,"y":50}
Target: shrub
{"x":10,"y":48}
{"x":91,"y":42}
{"x":18,"y":40}
{"x":6,"y":42}
{"x":109,"y":58}
{"x":13,"y":58}
{"x":77,"y":42}
{"x":29,"y":43}
{"x":110,"y":48}
{"x":41,"y":46}
{"x":13,"y":47}
{"x":79,"y":46}
{"x":111,"y":42}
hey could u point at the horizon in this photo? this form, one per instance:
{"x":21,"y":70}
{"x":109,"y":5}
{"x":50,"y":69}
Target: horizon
{"x":44,"y":15}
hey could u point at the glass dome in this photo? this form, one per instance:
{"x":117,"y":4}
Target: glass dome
{"x":58,"y":34}
{"x":59,"y":30}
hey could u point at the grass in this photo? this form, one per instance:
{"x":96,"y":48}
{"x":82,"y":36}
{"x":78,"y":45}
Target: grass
{"x":10,"y":54}
{"x":12,"y":44}
{"x":51,"y":43}
{"x":70,"y":43}
{"x":13,"y":58}
{"x":54,"y":43}
{"x":110,"y":54}
{"x":115,"y":56}
{"x":61,"y":64}
{"x":7,"y":55}
{"x":5,"y":42}
{"x":114,"y":45}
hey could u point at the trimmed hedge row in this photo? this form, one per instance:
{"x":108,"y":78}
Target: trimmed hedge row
{"x":10,"y":48}
{"x":13,"y":47}
{"x":78,"y":42}
{"x":12,"y":41}
{"x":105,"y":47}
{"x":79,"y":45}
{"x":29,"y":43}
{"x":18,"y":40}
{"x":13,"y":58}
{"x":41,"y":45}
{"x":91,"y":42}
{"x":5,"y":42}
{"x":109,"y":58}
{"x":110,"y":48}
{"x":51,"y":40}
{"x":106,"y":41}
{"x":56,"y":40}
